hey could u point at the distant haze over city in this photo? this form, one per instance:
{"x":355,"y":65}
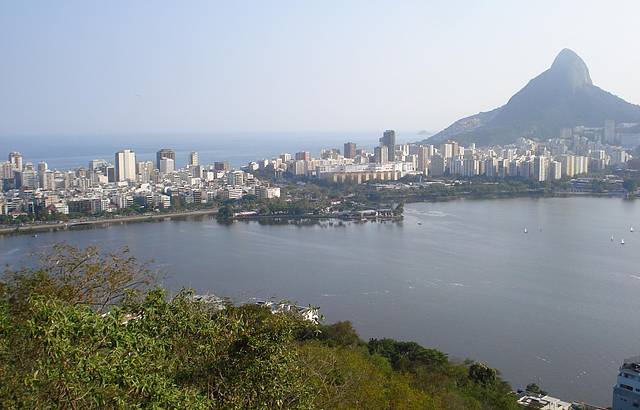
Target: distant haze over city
{"x":143,"y":68}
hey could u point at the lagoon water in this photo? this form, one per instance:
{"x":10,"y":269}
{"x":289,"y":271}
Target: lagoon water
{"x":557,"y":306}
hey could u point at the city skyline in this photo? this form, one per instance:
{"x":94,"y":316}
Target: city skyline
{"x":576,"y":151}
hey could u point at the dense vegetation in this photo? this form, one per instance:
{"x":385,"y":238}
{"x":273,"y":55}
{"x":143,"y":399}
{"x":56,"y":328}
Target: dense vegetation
{"x":82,"y":329}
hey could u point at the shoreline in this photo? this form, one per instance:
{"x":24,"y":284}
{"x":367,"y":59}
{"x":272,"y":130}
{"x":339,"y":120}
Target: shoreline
{"x":63,"y":226}
{"x":53,"y":227}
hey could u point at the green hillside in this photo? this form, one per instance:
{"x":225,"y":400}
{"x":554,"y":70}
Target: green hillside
{"x":85,"y":330}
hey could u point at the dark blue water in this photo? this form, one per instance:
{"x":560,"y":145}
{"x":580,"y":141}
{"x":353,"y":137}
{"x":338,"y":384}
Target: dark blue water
{"x":557,"y":306}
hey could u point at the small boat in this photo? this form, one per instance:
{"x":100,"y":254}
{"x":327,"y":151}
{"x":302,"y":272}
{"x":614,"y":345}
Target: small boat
{"x":612,"y":239}
{"x":419,"y":223}
{"x":631,"y":230}
{"x":525,"y":230}
{"x":621,"y":241}
{"x":35,"y":235}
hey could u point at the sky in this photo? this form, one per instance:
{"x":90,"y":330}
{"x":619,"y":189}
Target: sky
{"x":84,"y":67}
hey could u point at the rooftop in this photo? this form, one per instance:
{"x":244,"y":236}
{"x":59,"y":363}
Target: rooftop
{"x":632,"y":363}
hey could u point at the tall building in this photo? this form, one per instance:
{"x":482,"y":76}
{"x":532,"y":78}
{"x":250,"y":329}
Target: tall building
{"x":349,"y":149}
{"x":330,"y":153}
{"x":446,"y":150}
{"x":15,"y":158}
{"x":303,"y":156}
{"x":47,"y":180}
{"x":285,"y":157}
{"x":195,"y":171}
{"x":193,"y":158}
{"x":6,"y":170}
{"x":145,"y":170}
{"x":125,"y":167}
{"x":610,"y":131}
{"x":167,"y":166}
{"x":221,"y":166}
{"x":381,"y":154}
{"x":619,"y":156}
{"x":25,"y":179}
{"x":581,"y":164}
{"x":95,"y":164}
{"x":389,"y":140}
{"x":456,"y":149}
{"x":455,"y":166}
{"x":436,"y":167}
{"x":165,"y":153}
{"x":491,"y":167}
{"x":626,"y":392}
{"x":470,"y":167}
{"x":111,"y":173}
{"x":540,"y":168}
{"x":555,"y":170}
{"x":568,"y":165}
{"x":42,"y":167}
{"x":235,"y":178}
{"x":299,"y":167}
{"x":424,"y":155}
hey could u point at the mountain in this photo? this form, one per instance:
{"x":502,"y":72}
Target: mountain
{"x":562,"y":96}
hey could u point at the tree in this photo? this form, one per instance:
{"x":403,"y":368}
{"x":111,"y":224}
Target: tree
{"x":80,"y":330}
{"x":407,"y":356}
{"x":225,"y":213}
{"x":347,"y":378}
{"x":149,"y":353}
{"x":340,"y":334}
{"x":482,"y":374}
{"x":534,"y":388}
{"x":79,"y":276}
{"x":630,"y":185}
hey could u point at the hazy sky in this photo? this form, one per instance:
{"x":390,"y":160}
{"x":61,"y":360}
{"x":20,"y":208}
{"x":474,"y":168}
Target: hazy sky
{"x":127,"y":67}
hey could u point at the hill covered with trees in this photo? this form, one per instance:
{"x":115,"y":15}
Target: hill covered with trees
{"x":82,"y":329}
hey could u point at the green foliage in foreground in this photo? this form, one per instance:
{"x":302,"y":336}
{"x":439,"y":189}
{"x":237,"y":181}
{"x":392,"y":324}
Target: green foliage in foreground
{"x":58,"y":350}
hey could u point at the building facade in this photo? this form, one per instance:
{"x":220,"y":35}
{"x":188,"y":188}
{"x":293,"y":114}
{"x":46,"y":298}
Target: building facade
{"x":125,"y":166}
{"x":165,"y":153}
{"x":626,"y":392}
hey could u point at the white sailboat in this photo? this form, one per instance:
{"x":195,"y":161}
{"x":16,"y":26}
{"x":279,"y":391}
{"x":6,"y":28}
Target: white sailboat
{"x":525,"y":230}
{"x":621,"y":241}
{"x":611,"y":238}
{"x":631,"y":229}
